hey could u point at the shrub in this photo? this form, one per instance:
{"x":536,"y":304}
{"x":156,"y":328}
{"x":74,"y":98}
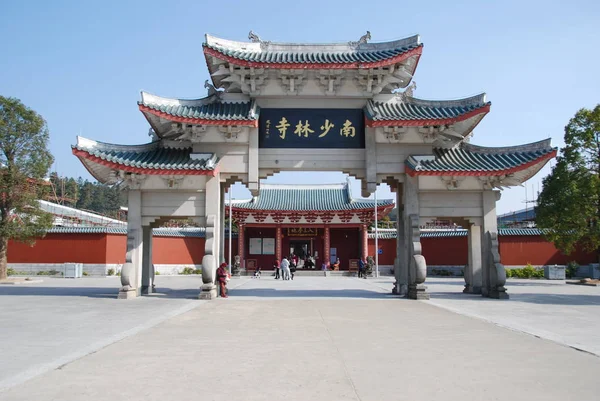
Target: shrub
{"x":188,"y":270}
{"x":85,"y":273}
{"x":156,"y":273}
{"x":10,"y":271}
{"x":111,"y":272}
{"x":571,"y":270}
{"x":441,"y":272}
{"x":526,"y":272}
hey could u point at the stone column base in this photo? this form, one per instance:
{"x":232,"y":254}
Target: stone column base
{"x":146,"y":290}
{"x":400,"y":289}
{"x":496,"y":293}
{"x":470,"y":289}
{"x":418,"y":291}
{"x":127,"y":294}
{"x":208,"y":292}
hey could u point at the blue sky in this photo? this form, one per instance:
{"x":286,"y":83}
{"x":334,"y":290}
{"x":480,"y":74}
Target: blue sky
{"x":81,"y":64}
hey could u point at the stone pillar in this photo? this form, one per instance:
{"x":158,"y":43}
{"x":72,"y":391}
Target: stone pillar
{"x":473,"y":269}
{"x":253,"y":179}
{"x":400,"y":267}
{"x":147,"y":265}
{"x":492,"y":272}
{"x":222,"y":226}
{"x":241,"y":250}
{"x":278,"y":243}
{"x":131,"y":273}
{"x":365,"y":241}
{"x":326,"y":246}
{"x":213,"y":234}
{"x":414,"y":260}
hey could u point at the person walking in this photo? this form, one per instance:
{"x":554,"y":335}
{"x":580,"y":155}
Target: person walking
{"x":361,"y":268}
{"x":285,"y":269}
{"x":276,"y":267}
{"x":222,"y":276}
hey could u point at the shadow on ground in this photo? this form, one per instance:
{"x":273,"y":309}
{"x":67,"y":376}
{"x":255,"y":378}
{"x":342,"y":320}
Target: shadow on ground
{"x":287,"y":293}
{"x":92,"y":292}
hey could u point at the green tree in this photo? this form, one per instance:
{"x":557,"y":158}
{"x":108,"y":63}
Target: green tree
{"x":24,"y":163}
{"x":569,"y":205}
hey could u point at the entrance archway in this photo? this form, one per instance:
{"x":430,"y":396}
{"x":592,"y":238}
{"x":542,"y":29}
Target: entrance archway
{"x":276,"y":107}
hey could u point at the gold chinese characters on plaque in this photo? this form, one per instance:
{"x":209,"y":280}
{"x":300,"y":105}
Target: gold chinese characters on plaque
{"x":302,"y":232}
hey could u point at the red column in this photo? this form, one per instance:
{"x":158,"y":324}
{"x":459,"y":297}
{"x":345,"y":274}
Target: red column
{"x":278,"y":243}
{"x":326,"y":246}
{"x":241,"y":250}
{"x":365,"y":243}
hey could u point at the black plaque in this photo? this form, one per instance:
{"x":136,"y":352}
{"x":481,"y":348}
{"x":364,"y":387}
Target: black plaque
{"x":311,"y":128}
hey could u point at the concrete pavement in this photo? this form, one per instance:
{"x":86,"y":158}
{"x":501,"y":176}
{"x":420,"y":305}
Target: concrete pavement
{"x":313,"y":338}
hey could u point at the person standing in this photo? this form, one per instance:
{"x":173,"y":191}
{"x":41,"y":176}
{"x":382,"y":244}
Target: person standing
{"x":361,"y":268}
{"x":222,"y":276}
{"x":285,"y":269}
{"x":276,"y":267}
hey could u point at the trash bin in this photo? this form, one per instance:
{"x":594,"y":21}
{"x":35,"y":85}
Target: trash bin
{"x":73,"y":270}
{"x":555,"y":272}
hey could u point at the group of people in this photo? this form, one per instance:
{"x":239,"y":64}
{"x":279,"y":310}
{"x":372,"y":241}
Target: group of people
{"x":286,"y":269}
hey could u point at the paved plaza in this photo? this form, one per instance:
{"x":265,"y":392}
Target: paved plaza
{"x":311,"y":339}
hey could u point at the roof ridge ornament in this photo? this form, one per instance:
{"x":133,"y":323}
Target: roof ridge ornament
{"x":408,"y":92}
{"x":254,"y":38}
{"x":363,"y":40}
{"x":212,"y":91}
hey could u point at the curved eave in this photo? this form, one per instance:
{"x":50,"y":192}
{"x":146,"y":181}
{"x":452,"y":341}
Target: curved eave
{"x":416,"y":52}
{"x":199,"y":121}
{"x":380,"y":210}
{"x":83,"y":155}
{"x":532,"y":167}
{"x":480,"y":112}
{"x":101,"y":173}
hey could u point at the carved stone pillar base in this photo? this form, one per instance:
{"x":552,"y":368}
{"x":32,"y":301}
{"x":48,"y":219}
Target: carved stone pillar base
{"x":127,"y":294}
{"x":208,"y":292}
{"x":470,"y":289}
{"x":418,"y":291}
{"x":497,"y":293}
{"x":400,"y":289}
{"x":148,"y":290}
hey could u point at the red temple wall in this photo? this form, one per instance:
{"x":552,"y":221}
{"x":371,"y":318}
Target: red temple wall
{"x":520,"y":250}
{"x":264,"y":261}
{"x":60,"y":248}
{"x":348,"y":244}
{"x":110,"y":249}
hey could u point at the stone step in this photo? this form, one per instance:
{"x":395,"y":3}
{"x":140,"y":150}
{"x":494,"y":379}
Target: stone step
{"x":308,"y":273}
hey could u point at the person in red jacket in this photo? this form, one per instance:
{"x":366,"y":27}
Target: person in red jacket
{"x":222,"y":276}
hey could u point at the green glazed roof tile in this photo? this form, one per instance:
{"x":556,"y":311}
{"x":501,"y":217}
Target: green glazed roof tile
{"x":305,"y":198}
{"x":412,"y":108}
{"x":472,"y":158}
{"x":238,"y":111}
{"x":151,"y":156}
{"x":296,"y":53}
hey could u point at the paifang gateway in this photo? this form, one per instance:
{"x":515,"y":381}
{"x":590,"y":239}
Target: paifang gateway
{"x":346,"y":107}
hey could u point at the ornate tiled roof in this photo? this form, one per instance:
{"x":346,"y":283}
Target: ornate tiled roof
{"x":335,"y":197}
{"x":153,"y":158}
{"x":198,"y":232}
{"x":461,"y":233}
{"x":292,"y":55}
{"x":410,"y":111}
{"x":468,"y":159}
{"x":213,"y":109}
